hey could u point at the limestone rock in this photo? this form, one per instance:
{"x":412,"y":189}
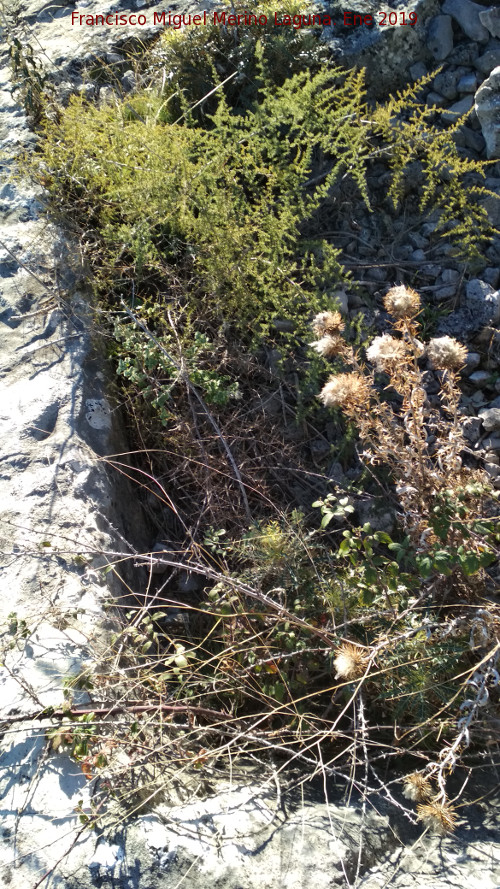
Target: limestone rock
{"x":458,"y":109}
{"x":493,"y":469}
{"x":471,"y":428}
{"x":480,"y":378}
{"x":490,"y":18}
{"x":472,"y":362}
{"x":487,"y":104}
{"x":467,"y":83}
{"x":492,"y":275}
{"x":484,"y":300}
{"x":491,"y":203}
{"x":466,"y":14}
{"x":63,"y":510}
{"x":440,"y":37}
{"x":490,"y":59}
{"x":490,"y":418}
{"x":473,"y":140}
{"x":445,"y":83}
{"x":435,"y":100}
{"x":386,"y":53}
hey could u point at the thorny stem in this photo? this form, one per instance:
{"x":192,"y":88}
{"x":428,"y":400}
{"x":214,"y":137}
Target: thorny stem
{"x":449,"y":757}
{"x":410,"y":332}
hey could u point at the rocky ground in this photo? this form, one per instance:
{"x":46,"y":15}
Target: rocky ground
{"x":462,"y":39}
{"x":59,"y":416}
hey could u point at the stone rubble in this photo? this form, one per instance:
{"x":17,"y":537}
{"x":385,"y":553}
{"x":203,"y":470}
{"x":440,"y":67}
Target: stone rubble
{"x":466,"y":14}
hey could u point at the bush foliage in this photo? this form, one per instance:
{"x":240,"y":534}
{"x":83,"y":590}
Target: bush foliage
{"x":207,"y":224}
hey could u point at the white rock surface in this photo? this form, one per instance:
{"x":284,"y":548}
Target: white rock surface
{"x":58,"y":506}
{"x":490,"y":418}
{"x":487,"y":105}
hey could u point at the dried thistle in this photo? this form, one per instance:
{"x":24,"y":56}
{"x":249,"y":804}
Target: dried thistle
{"x":402,"y":302}
{"x":417,"y":787}
{"x":439,"y":817}
{"x":384,"y":351}
{"x":329,"y":345}
{"x":350,"y":661}
{"x":328,"y":323}
{"x":446,"y":353}
{"x":350,"y":391}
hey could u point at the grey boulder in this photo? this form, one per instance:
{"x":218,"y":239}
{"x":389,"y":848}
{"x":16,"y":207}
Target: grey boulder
{"x":466,"y":14}
{"x":490,"y":18}
{"x":487,"y":105}
{"x":440,"y":37}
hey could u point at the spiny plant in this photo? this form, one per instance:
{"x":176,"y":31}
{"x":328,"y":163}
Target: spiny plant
{"x":446,"y":514}
{"x":223,"y":225}
{"x":441,"y":503}
{"x":30,"y":80}
{"x":304,"y":639}
{"x":280,"y":657}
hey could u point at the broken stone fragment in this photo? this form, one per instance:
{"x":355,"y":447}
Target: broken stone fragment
{"x":490,"y":418}
{"x":490,"y":18}
{"x":490,"y":58}
{"x":487,"y":104}
{"x":466,"y":14}
{"x":440,"y":37}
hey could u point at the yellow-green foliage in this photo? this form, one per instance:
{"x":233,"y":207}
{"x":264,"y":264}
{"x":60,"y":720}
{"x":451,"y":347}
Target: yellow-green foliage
{"x":230,"y":204}
{"x":451,"y":180}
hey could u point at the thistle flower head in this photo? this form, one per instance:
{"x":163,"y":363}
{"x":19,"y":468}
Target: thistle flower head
{"x":402,"y":302}
{"x":438,"y":817}
{"x":446,"y":353}
{"x":329,"y":345}
{"x":350,"y":391}
{"x":417,"y":787}
{"x":328,"y":323}
{"x":350,"y":661}
{"x":384,"y":350}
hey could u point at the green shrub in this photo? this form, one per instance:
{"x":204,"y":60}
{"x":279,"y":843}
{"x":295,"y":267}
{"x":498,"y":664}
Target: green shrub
{"x":212,"y":227}
{"x":233,"y":206}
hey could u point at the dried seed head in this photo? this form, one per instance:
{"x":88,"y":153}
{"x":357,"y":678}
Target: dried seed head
{"x":384,"y":351}
{"x":417,"y":787}
{"x":350,"y":391}
{"x":328,"y":323}
{"x":402,"y":302}
{"x":350,"y":661}
{"x":446,"y":353}
{"x":329,"y":345}
{"x":440,"y":818}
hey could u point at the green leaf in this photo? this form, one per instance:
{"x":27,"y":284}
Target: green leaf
{"x":367,"y":596}
{"x":371,"y":575}
{"x":327,"y":517}
{"x":424,"y":565}
{"x":469,"y":563}
{"x":443,"y":561}
{"x":486,"y":558}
